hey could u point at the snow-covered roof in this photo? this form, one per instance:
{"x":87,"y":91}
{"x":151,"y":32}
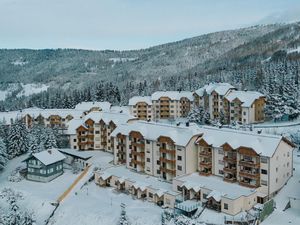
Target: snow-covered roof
{"x":120,"y":109}
{"x":215,"y":195}
{"x":263,"y":144}
{"x":139,"y":180}
{"x":134,"y":100}
{"x":73,"y":125}
{"x":220,"y":88}
{"x":79,"y":154}
{"x":49,"y":156}
{"x":85,"y":106}
{"x":173,"y":95}
{"x":246,"y":97}
{"x":218,"y":187}
{"x":117,"y":118}
{"x":181,"y":135}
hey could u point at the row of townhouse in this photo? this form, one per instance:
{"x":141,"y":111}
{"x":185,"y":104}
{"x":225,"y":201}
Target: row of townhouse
{"x":223,"y":100}
{"x":219,"y":99}
{"x":161,"y":105}
{"x":53,"y":118}
{"x":253,"y":167}
{"x":93,"y":131}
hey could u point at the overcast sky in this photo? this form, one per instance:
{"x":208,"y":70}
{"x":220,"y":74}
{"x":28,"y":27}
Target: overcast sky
{"x":129,"y":24}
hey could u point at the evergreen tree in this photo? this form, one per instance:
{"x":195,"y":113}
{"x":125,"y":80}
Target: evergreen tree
{"x":17,"y":140}
{"x":3,"y":154}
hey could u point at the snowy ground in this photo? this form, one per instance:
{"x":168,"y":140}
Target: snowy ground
{"x":90,"y":204}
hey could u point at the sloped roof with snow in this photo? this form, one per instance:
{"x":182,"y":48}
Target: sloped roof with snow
{"x":117,"y":118}
{"x":79,"y":154}
{"x":181,"y":135}
{"x":173,"y":95}
{"x":73,"y":125}
{"x":220,"y":88}
{"x":49,"y":156}
{"x":262,"y":144}
{"x":218,"y":187}
{"x":85,"y":106}
{"x":134,"y":100}
{"x":246,"y":97}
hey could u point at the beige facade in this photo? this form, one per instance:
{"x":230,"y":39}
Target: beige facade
{"x":94,"y":131}
{"x":223,"y":101}
{"x":154,"y":149}
{"x":161,"y":105}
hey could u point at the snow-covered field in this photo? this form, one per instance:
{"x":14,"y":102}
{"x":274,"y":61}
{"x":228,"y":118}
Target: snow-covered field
{"x":86,"y":204}
{"x":30,"y":89}
{"x":90,"y":204}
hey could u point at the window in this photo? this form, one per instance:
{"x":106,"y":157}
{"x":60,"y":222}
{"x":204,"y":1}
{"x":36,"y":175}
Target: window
{"x":264,"y":182}
{"x":288,"y":154}
{"x":204,"y":196}
{"x":221,"y":172}
{"x":179,"y":168}
{"x":287,"y":164}
{"x":158,"y":162}
{"x":74,"y":140}
{"x":43,"y":171}
{"x":263,"y":159}
{"x":264,"y":171}
{"x":148,"y":159}
{"x":221,"y":152}
{"x":221,"y":162}
{"x":276,"y":169}
{"x":226,"y":206}
{"x":244,"y":113}
{"x":158,"y":171}
{"x":179,"y":188}
{"x":179,"y":157}
{"x":97,"y":132}
{"x":147,"y":141}
{"x":276,"y":180}
{"x":150,"y":195}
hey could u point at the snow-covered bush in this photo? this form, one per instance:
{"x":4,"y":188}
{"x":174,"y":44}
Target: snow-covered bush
{"x":15,"y":175}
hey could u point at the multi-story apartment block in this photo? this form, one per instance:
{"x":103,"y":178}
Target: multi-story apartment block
{"x":156,"y":149}
{"x":244,"y":106}
{"x":162,"y":105}
{"x":251,"y":160}
{"x":228,"y":170}
{"x":141,"y":107}
{"x":223,"y":100}
{"x":93,"y":132}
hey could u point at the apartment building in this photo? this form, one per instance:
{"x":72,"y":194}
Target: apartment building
{"x":211,"y":96}
{"x":244,"y":106}
{"x":162,"y":105}
{"x":141,"y":107}
{"x":223,"y":100}
{"x":156,"y":149}
{"x":93,"y":132}
{"x":251,"y":160}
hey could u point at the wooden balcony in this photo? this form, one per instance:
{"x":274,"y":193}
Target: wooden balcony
{"x":141,"y":154}
{"x":205,"y":164}
{"x":205,"y":153}
{"x":246,"y":184}
{"x":90,"y":136}
{"x":229,"y":170}
{"x":249,"y":164}
{"x":167,"y":151}
{"x":138,"y":144}
{"x":170,"y":171}
{"x":230,"y":180}
{"x":172,"y":161}
{"x":244,"y":173}
{"x":229,"y":159}
{"x":137,"y":162}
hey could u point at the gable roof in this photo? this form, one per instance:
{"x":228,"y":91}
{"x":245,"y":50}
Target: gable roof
{"x":220,"y":88}
{"x":173,"y":95}
{"x":262,"y":144}
{"x":152,"y":131}
{"x":79,"y":154}
{"x":49,"y":156}
{"x":136,"y":99}
{"x":85,"y":106}
{"x":246,"y":97}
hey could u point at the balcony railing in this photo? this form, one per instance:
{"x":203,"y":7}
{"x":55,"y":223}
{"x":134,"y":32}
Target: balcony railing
{"x":141,"y":163}
{"x":249,"y":185}
{"x":230,"y":179}
{"x":249,"y":163}
{"x":205,"y":173}
{"x":248,"y":174}
{"x":229,"y":169}
{"x":167,"y":151}
{"x":229,"y":159}
{"x":170,"y":171}
{"x":206,"y":164}
{"x":141,"y":154}
{"x":172,"y":161}
{"x":205,"y":153}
